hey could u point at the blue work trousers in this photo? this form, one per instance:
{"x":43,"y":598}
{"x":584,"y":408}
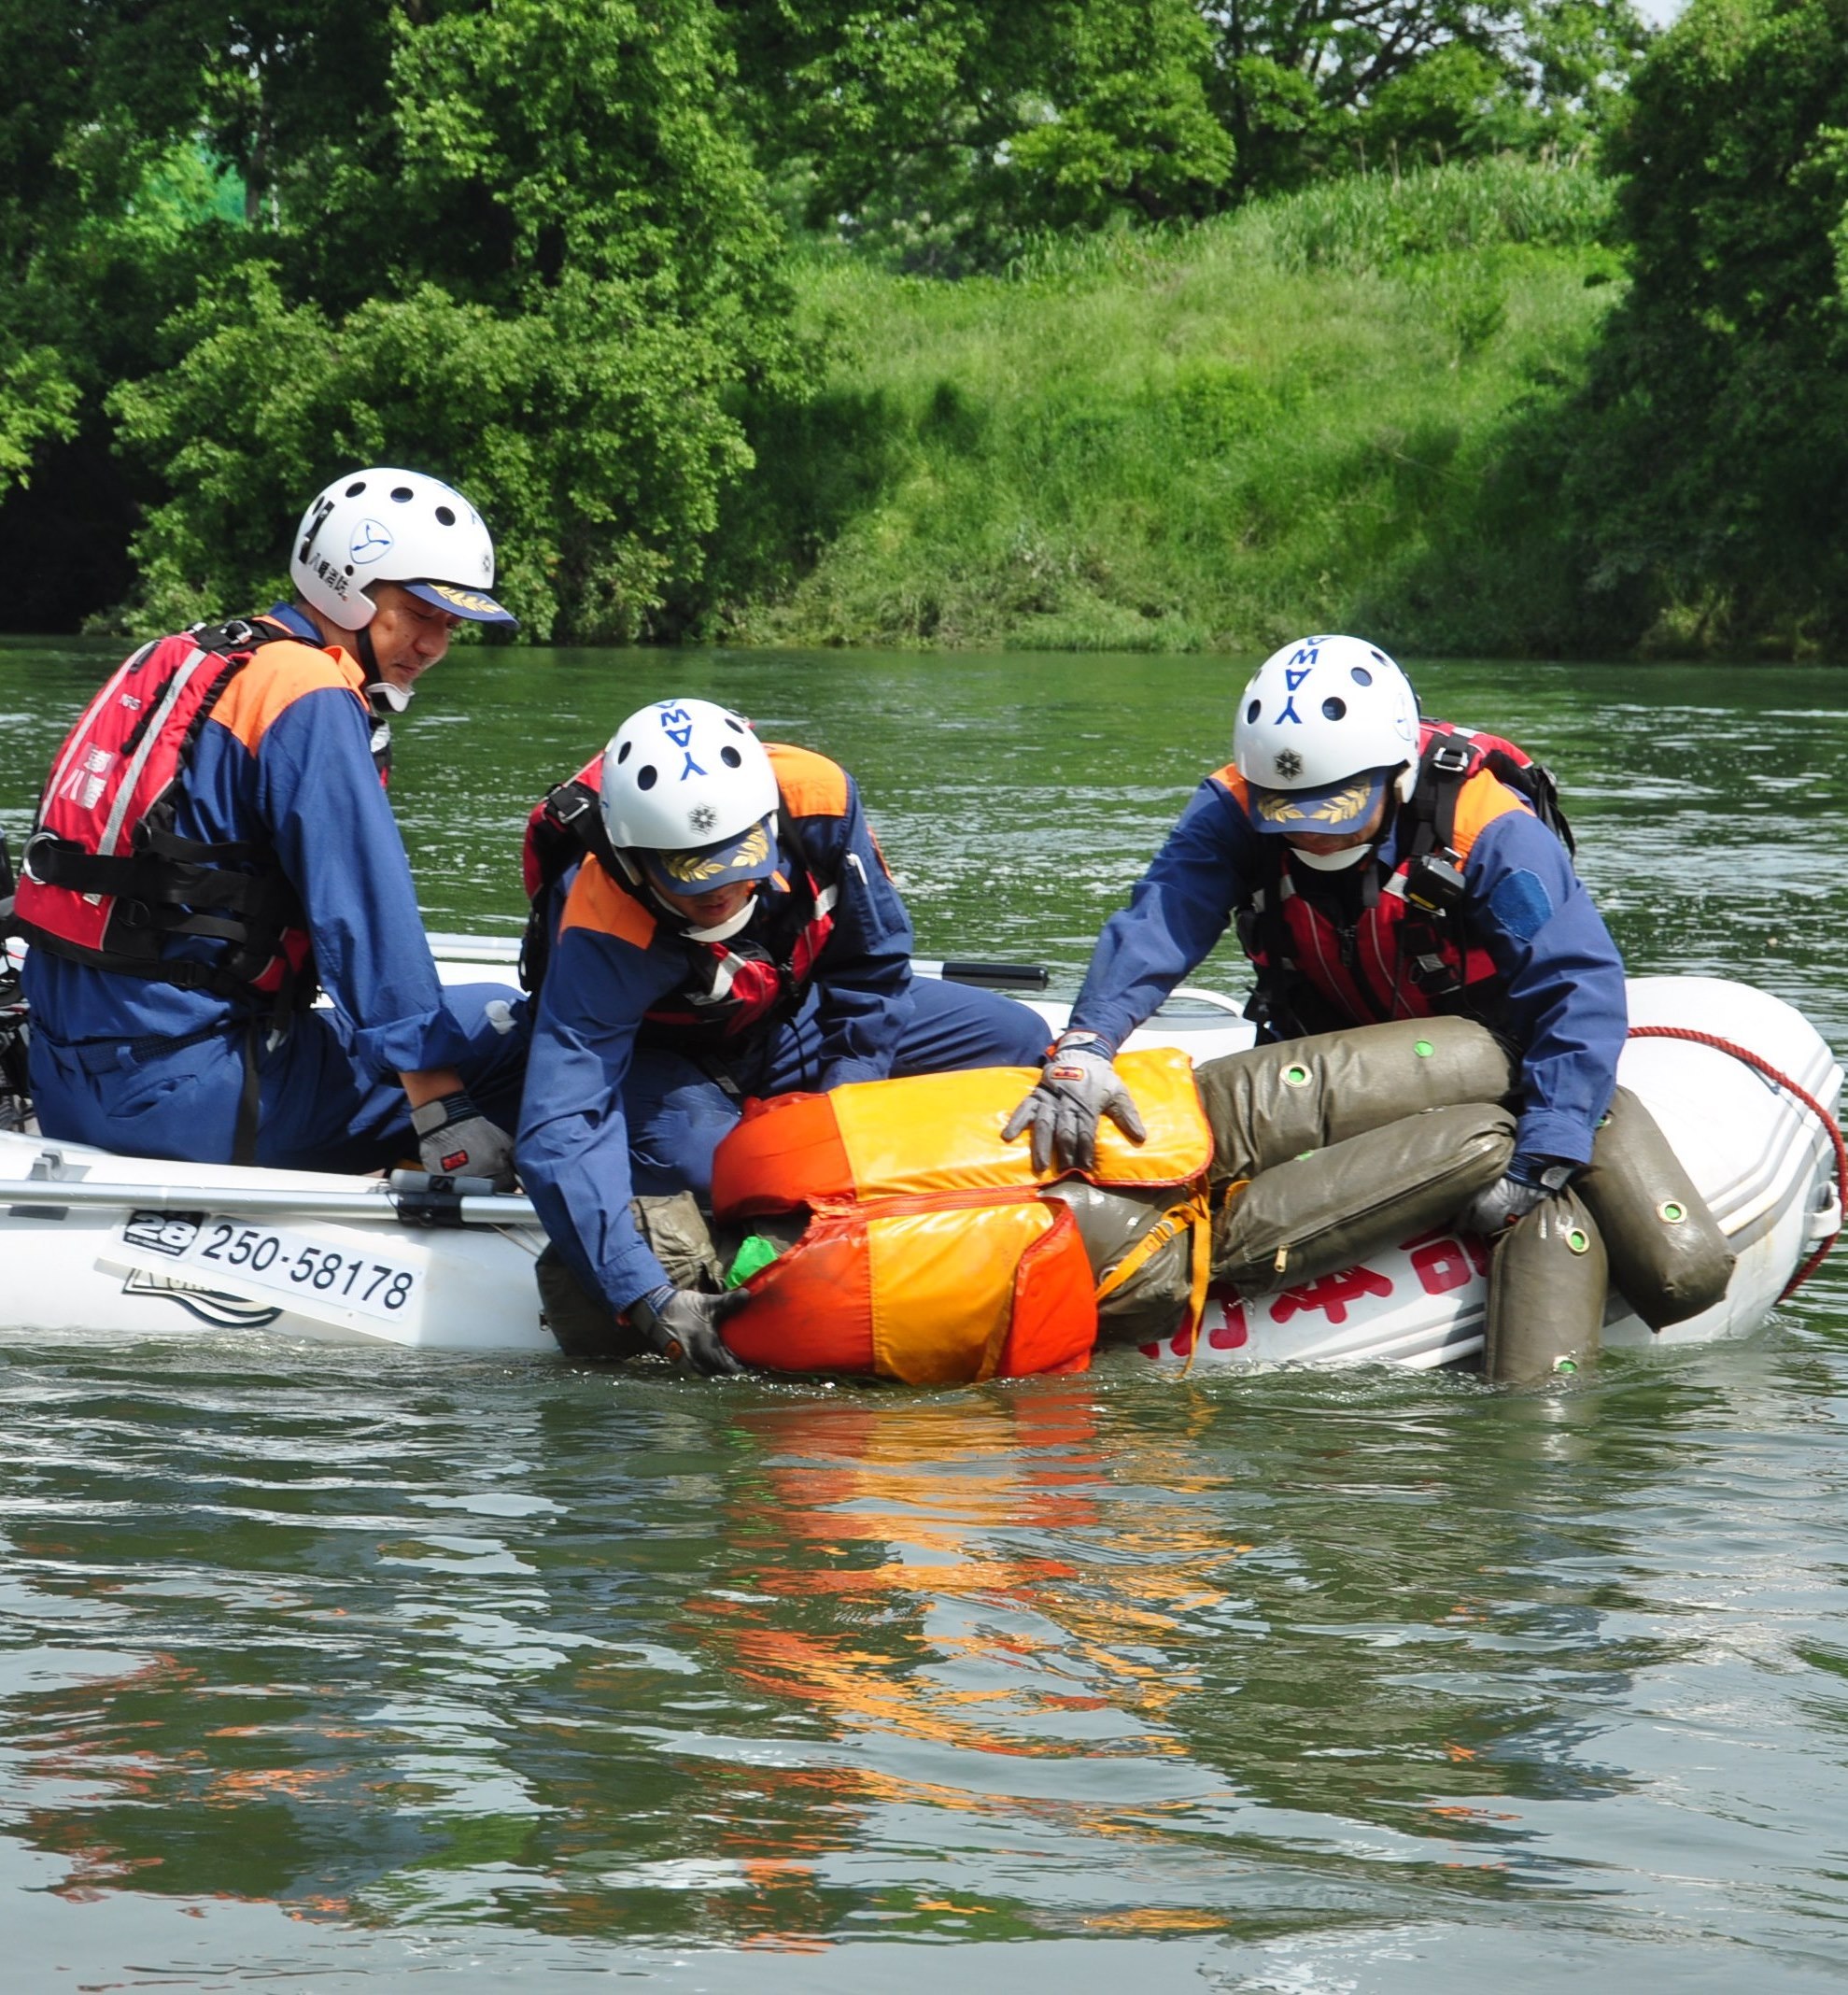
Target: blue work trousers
{"x":678,"y":1114}
{"x":319,"y":1110}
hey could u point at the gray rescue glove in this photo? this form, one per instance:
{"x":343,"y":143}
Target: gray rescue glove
{"x":683,"y":1323}
{"x":1080,"y":1084}
{"x":456,"y":1138}
{"x":1527,"y":1182}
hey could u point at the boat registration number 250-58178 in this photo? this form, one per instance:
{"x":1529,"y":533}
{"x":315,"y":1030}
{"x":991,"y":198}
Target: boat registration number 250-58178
{"x":280,"y":1259}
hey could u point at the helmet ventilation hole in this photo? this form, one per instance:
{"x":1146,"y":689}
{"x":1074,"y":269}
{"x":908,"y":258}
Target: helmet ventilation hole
{"x":354,"y":489}
{"x":445,"y":517}
{"x":622,"y":752}
{"x":738,"y":726}
{"x":730,"y":756}
{"x":1334,"y":709}
{"x":402,"y":494}
{"x":647,"y":778}
{"x":1360,"y":675}
{"x":1252,"y":711}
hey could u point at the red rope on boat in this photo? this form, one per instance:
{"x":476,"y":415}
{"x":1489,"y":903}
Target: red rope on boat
{"x":1760,"y":1065}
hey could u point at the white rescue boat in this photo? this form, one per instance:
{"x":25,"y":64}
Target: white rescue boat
{"x":94,"y":1244}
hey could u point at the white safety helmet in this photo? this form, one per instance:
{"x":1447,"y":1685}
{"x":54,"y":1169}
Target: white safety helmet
{"x":690,"y":795}
{"x":384,"y":524}
{"x":1317,"y":717}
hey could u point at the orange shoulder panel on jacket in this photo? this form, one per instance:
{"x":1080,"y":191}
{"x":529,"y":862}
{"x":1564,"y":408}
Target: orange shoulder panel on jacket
{"x":277,"y":677}
{"x":1482,"y":800}
{"x":596,"y":902}
{"x":1233,"y":784}
{"x":811,"y":785}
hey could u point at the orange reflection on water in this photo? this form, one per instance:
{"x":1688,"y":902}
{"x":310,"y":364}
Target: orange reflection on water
{"x":883,"y":1572}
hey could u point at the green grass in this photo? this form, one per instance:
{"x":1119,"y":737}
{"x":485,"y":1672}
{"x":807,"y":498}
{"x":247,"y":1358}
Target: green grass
{"x":1333,"y":410}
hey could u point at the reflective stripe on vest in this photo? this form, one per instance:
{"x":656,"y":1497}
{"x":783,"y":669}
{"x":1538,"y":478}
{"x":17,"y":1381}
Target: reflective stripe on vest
{"x":1383,"y":982}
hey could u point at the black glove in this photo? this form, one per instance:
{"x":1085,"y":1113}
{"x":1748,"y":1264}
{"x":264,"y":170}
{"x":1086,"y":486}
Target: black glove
{"x":683,"y":1323}
{"x":457,"y":1139}
{"x":1528,"y":1182}
{"x":1079,"y":1085}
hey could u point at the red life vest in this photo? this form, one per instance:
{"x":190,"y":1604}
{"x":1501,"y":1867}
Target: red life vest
{"x":1406,"y":951}
{"x":756,"y":978}
{"x":105,"y":880}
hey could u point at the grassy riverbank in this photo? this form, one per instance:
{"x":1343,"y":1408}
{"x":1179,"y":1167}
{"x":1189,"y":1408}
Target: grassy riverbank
{"x":1331,"y":410}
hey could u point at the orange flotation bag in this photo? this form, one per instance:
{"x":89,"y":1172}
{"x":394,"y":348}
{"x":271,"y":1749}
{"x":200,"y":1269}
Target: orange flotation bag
{"x":934,"y":1255}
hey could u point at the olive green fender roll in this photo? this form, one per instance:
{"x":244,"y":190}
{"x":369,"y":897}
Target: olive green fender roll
{"x":1274,"y":1102}
{"x":583,"y":1324}
{"x":1308,"y":1217}
{"x":1546,"y":1285}
{"x":1112,"y":1221}
{"x":1668,"y":1257}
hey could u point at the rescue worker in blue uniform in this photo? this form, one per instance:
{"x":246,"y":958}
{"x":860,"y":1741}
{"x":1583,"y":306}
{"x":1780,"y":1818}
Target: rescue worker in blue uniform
{"x":179,"y":929}
{"x":1378,"y":868}
{"x":733,"y":933}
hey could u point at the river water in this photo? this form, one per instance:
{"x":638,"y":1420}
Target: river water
{"x":355,"y":1667}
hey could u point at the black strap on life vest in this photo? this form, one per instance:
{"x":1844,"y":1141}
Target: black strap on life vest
{"x":15,"y":1086}
{"x":1434,"y":885}
{"x":571,"y":829}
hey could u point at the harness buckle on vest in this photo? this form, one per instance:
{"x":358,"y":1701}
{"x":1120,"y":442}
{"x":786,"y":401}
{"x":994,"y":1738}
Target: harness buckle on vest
{"x":1434,"y":882}
{"x":1450,"y":756}
{"x":1435,"y":976}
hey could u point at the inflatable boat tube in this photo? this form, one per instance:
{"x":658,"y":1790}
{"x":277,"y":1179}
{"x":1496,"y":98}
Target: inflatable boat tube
{"x":101,"y":1246}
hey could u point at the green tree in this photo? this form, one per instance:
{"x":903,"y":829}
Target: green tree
{"x":950,"y":131}
{"x":1713,"y":464}
{"x":522,"y":246}
{"x":1311,"y":86}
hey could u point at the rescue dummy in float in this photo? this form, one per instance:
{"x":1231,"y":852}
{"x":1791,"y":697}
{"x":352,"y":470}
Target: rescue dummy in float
{"x":885,"y":1229}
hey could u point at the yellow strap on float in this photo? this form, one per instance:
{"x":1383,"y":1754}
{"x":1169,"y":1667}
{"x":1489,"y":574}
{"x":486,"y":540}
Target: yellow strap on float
{"x":1195,"y":1213}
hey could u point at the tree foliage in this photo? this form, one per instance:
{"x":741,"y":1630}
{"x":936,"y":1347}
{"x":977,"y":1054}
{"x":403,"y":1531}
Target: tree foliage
{"x":1710,"y":477}
{"x":1306,"y":86}
{"x":537,"y":248}
{"x":948,"y":131}
{"x":952,"y":129}
{"x":521,"y":245}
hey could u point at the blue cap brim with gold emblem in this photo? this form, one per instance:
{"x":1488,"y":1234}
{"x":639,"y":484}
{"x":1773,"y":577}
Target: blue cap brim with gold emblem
{"x":751,"y":856}
{"x":1331,"y":811}
{"x":473,"y":605}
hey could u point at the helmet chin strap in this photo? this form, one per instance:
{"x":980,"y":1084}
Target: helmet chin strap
{"x":1333,"y":861}
{"x":383,"y":695}
{"x":723,"y":932}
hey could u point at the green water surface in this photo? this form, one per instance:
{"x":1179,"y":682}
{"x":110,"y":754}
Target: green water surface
{"x":361,"y":1670}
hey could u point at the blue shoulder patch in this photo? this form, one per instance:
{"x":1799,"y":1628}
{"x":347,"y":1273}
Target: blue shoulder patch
{"x":1521,"y":904}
